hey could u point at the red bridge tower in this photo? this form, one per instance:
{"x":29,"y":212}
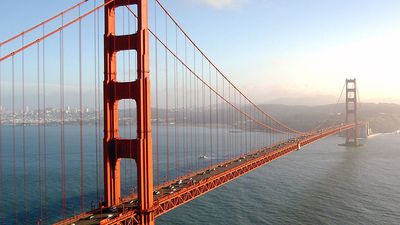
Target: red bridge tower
{"x":115,"y":148}
{"x":351,"y":111}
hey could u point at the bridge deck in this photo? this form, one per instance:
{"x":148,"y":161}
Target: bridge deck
{"x":173,"y":194}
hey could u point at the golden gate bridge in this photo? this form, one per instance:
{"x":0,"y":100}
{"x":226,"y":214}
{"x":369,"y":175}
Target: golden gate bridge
{"x":195,"y":129}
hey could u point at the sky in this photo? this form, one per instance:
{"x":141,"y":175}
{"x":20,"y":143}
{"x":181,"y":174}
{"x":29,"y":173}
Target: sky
{"x":286,"y":51}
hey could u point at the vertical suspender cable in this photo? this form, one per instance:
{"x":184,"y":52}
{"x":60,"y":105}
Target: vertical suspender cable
{"x":235,"y":140}
{"x":197,"y":122}
{"x":261,"y":137}
{"x":259,"y":131}
{"x":166,"y":97}
{"x":203,"y":109}
{"x":275,"y":132}
{"x":44,"y":128}
{"x":247,"y":127}
{"x":253,"y":133}
{"x":251,"y":127}
{"x":63,"y":185}
{"x":237,"y":119}
{"x":198,"y":108}
{"x":232,"y":119}
{"x":211,"y":143}
{"x":244,"y":124}
{"x":157,"y":116}
{"x":13,"y":138}
{"x":196,"y":111}
{"x":224,"y":122}
{"x":216,"y":106}
{"x":251,"y":130}
{"x":276,"y":138}
{"x":191,"y":120}
{"x":186,"y":112}
{"x":99,"y":99}
{"x":39,"y":136}
{"x":61,"y":148}
{"x":1,"y":145}
{"x":241,"y":125}
{"x":262,"y":132}
{"x":81,"y":116}
{"x":96,"y":125}
{"x":270,"y":132}
{"x":240,"y":118}
{"x":196,"y":92}
{"x":176,"y":105}
{"x":183,"y":119}
{"x":265,"y":133}
{"x":254,"y":142}
{"x":230,"y":122}
{"x":239,"y":122}
{"x":23,"y":128}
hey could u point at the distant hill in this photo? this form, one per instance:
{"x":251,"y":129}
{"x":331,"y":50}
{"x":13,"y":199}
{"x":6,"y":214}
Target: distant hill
{"x":383,"y":117}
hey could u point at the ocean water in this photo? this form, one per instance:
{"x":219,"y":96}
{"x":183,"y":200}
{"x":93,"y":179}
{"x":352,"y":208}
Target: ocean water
{"x":324,"y":183}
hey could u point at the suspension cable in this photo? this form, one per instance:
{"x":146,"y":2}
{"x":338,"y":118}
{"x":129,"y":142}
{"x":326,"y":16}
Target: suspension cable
{"x":42,"y":23}
{"x":55,"y":31}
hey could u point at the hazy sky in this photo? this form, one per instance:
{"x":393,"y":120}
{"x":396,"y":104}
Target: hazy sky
{"x":282,"y":48}
{"x":277,"y":49}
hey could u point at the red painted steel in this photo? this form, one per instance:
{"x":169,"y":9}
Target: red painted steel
{"x":351,"y":111}
{"x":116,"y":148}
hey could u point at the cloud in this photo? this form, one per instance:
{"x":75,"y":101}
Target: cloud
{"x":219,"y":4}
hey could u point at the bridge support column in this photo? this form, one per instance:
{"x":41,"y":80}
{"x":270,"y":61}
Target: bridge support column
{"x":116,"y":148}
{"x":351,"y":112}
